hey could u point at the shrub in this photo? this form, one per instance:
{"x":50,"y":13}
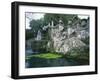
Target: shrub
{"x":39,"y":46}
{"x":80,"y":51}
{"x":29,"y":34}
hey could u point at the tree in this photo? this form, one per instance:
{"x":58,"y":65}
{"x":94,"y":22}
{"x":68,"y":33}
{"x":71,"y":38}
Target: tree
{"x":55,"y":17}
{"x":36,"y":24}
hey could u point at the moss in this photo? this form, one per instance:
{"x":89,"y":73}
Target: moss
{"x":46,"y":56}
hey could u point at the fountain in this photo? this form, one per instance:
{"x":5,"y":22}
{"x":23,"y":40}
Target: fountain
{"x":29,"y":43}
{"x":38,"y":37}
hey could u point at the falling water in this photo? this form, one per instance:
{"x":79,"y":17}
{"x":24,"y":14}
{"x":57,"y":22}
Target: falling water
{"x":38,"y":35}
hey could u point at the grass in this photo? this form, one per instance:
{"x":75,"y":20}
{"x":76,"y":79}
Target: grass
{"x":45,"y":56}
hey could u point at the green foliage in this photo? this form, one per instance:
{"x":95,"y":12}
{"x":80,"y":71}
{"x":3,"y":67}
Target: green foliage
{"x":39,"y":46}
{"x":80,"y":53}
{"x":36,"y":24}
{"x":45,"y":35}
{"x":45,"y":56}
{"x":55,"y":17}
{"x":29,"y":34}
{"x":79,"y":50}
